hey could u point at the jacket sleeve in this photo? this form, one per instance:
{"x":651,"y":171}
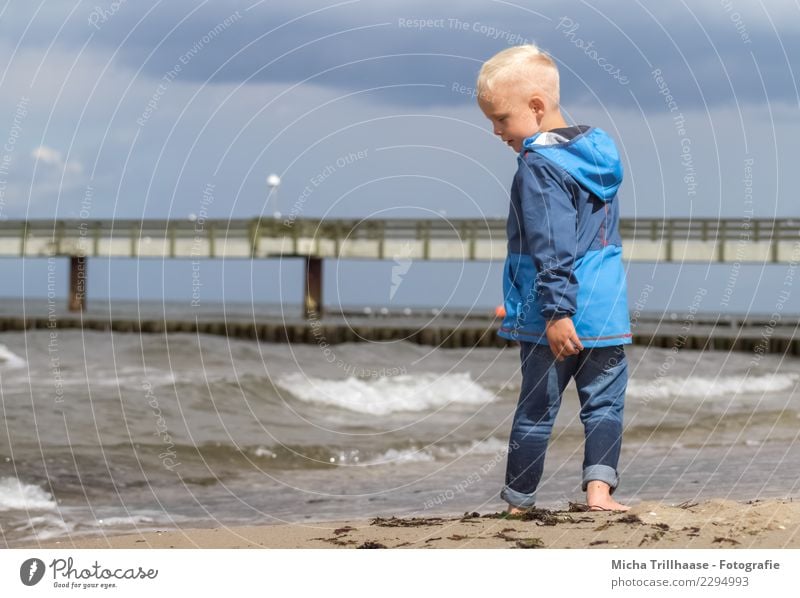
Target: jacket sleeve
{"x":550,"y":219}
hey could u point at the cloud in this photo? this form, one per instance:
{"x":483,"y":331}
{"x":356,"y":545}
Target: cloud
{"x":47,"y":155}
{"x":100,"y":117}
{"x":715,"y":53}
{"x":52,"y":157}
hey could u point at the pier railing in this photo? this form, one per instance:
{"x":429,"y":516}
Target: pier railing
{"x":648,"y":239}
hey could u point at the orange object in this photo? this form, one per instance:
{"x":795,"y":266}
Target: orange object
{"x":500,"y":311}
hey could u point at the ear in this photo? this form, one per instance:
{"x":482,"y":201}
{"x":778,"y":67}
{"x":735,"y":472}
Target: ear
{"x":536,"y":105}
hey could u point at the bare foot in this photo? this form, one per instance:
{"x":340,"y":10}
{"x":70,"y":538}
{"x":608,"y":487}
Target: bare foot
{"x":598,"y":498}
{"x":515,"y":510}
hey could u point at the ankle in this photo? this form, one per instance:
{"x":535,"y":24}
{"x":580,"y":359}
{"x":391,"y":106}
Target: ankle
{"x":598,"y":489}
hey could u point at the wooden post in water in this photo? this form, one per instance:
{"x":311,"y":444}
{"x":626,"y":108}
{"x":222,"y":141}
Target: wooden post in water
{"x":77,"y":283}
{"x":312,"y":305}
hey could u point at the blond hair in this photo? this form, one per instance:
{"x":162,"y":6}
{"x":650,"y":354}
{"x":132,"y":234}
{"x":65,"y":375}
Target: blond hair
{"x":525,"y":66}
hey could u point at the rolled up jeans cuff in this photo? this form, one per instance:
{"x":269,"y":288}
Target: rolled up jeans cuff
{"x":517,"y":499}
{"x":600,"y":473}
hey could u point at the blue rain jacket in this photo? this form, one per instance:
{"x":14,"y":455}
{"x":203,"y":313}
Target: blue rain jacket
{"x":564,"y":247}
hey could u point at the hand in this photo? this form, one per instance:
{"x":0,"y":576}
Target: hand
{"x":563,"y":339}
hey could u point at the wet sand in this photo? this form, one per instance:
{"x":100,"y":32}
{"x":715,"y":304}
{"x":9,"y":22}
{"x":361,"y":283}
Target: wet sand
{"x":708,"y":524}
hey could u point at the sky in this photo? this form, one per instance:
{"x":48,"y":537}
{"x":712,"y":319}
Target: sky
{"x":366,"y":108}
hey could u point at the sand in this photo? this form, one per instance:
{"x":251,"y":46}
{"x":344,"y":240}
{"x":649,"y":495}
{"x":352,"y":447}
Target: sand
{"x":708,"y":524}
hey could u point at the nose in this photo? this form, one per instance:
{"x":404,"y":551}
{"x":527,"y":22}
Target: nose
{"x":497,"y":129}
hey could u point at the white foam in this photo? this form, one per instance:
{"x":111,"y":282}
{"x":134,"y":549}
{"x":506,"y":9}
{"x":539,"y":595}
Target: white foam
{"x":263,"y":451}
{"x":16,"y":495}
{"x":47,"y":527}
{"x":121,"y":521}
{"x":387,"y":395}
{"x":77,"y":523}
{"x":489,"y":446}
{"x":130,"y":378}
{"x":399,"y":457}
{"x":11,"y":360}
{"x":411,"y":454}
{"x":702,"y":387}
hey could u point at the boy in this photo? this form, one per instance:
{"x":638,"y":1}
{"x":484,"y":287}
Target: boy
{"x":564,"y":284}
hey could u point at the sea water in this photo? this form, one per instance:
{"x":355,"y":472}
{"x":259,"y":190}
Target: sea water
{"x":111,"y":432}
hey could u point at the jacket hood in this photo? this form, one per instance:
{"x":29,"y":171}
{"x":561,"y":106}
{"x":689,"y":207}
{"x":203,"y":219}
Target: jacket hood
{"x":589,"y":156}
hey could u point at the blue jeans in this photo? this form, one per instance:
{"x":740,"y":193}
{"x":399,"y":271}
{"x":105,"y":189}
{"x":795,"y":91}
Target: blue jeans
{"x":601,"y":375}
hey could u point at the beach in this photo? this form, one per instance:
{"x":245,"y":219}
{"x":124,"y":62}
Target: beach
{"x":714,"y":523}
{"x":146,"y":434}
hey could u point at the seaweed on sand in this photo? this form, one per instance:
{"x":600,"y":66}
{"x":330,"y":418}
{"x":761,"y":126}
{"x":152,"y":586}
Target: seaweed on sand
{"x":543,"y":516}
{"x":409,"y":522}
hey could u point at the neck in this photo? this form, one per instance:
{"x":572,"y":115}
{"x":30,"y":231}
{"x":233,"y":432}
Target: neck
{"x":553,"y":120}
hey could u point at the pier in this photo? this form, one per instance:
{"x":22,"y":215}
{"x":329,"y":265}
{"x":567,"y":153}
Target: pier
{"x":649,"y":240}
{"x":652,"y":240}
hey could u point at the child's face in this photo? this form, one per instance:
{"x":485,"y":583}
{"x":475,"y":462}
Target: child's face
{"x":513,"y":115}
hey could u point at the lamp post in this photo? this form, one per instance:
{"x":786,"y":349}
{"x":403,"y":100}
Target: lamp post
{"x":273,"y":182}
